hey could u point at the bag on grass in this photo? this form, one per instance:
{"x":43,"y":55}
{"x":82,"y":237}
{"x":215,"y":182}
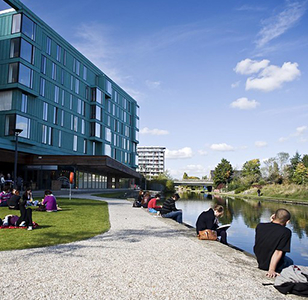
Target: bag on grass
{"x":207,"y":234}
{"x":293,"y":280}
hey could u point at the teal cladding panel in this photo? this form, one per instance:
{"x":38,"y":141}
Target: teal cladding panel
{"x":5,"y":25}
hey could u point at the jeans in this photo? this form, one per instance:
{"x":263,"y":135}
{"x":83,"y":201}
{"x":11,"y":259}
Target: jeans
{"x":284,"y":263}
{"x":175,"y":215}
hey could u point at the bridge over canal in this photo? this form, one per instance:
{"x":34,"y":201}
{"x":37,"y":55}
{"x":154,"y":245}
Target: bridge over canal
{"x":208,"y":184}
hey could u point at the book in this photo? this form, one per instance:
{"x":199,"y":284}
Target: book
{"x":224,"y":227}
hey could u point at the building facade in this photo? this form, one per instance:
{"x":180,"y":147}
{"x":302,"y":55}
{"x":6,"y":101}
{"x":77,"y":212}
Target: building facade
{"x":151,"y":160}
{"x":64,"y":105}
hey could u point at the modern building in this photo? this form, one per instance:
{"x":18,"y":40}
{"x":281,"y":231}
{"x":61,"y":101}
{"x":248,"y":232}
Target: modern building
{"x":151,"y":160}
{"x":73,"y":117}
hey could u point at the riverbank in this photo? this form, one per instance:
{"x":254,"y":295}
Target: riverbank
{"x":140,"y":257}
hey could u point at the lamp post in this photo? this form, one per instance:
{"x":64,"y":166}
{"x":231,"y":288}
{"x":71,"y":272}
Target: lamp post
{"x":17,"y":132}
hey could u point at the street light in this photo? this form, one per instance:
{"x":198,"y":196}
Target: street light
{"x":17,"y":132}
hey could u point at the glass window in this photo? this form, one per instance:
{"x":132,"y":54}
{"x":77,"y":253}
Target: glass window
{"x":76,"y":86}
{"x":97,"y":130}
{"x":13,"y":73}
{"x":55,"y":115}
{"x":137,"y":110}
{"x":42,"y":87}
{"x":72,"y":122}
{"x":45,"y":111}
{"x":53,"y":71}
{"x":62,"y":76}
{"x":83,"y":125}
{"x":79,"y":106}
{"x":16,"y":22}
{"x":93,"y":148}
{"x":48,"y":45}
{"x":43,"y":64}
{"x":26,"y":51}
{"x":108,"y":135}
{"x":60,"y":139}
{"x":98,"y":113}
{"x":62,"y":118}
{"x":44,"y":134}
{"x":62,"y":98}
{"x":50,"y":134}
{"x":72,"y":82}
{"x":77,"y":67}
{"x":6,"y":100}
{"x":57,"y":94}
{"x":85,"y":146}
{"x":59,"y":50}
{"x":85,"y":72}
{"x":28,"y":27}
{"x":108,"y":87}
{"x":107,"y":150}
{"x":24,"y":124}
{"x":76,"y":124}
{"x":75,"y":143}
{"x":24,"y":103}
{"x":71,"y":101}
{"x":15,"y":48}
{"x":64,"y":57}
{"x":10,"y":124}
{"x":25,"y":75}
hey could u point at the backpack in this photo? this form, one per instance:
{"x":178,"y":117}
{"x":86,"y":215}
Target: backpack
{"x":293,"y":280}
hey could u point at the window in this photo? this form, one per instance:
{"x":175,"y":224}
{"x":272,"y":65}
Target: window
{"x":64,"y":57}
{"x":71,"y":101}
{"x":26,"y":51}
{"x":59,"y":50}
{"x":28,"y":27}
{"x":24,"y":124}
{"x":24,"y":103}
{"x":60,"y":139}
{"x":13,"y":73}
{"x":72,"y":82}
{"x":83,"y":125}
{"x":108,"y":135}
{"x":62,"y":98}
{"x":57,"y":94}
{"x":48,"y":45}
{"x":43,"y":64}
{"x":15,"y":48}
{"x":76,"y":124}
{"x":93,"y":148}
{"x":45,"y":111}
{"x":107,"y":150}
{"x":62,"y":118}
{"x":25,"y":75}
{"x":85,"y":72}
{"x":62,"y":76}
{"x":75,"y":143}
{"x":10,"y":124}
{"x":53,"y":71}
{"x":6,"y":100}
{"x":76,"y":86}
{"x":76,"y":66}
{"x":79,"y":106}
{"x":50,"y":135}
{"x":42,"y":87}
{"x":85,"y":146}
{"x":44,"y":134}
{"x":97,"y":130}
{"x":108,"y":87}
{"x":16,"y":22}
{"x":72,"y":122}
{"x":55,"y":115}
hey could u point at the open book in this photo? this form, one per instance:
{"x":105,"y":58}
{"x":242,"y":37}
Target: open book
{"x":224,"y":227}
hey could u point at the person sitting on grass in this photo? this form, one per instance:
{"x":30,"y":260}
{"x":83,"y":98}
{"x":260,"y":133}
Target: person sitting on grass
{"x":13,"y":202}
{"x":25,"y":218}
{"x":5,"y":196}
{"x":152,"y":207}
{"x":49,"y":203}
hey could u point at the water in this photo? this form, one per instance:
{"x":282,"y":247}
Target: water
{"x":244,"y":215}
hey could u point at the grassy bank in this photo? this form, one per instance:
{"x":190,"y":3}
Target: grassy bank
{"x":283,"y":192}
{"x":80,"y":219}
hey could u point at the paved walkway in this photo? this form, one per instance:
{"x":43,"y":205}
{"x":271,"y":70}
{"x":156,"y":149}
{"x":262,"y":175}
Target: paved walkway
{"x":141,"y":257}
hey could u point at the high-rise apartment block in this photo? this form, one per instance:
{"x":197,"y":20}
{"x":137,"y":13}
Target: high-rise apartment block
{"x":73,"y":117}
{"x":151,"y":160}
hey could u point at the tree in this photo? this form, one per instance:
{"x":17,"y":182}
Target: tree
{"x":283,"y":158}
{"x":300,"y":175}
{"x":185,"y":175}
{"x":305,"y":160}
{"x":294,"y":161}
{"x":222,"y":172}
{"x":251,"y":170}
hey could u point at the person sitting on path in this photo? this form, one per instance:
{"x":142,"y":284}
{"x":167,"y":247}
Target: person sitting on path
{"x":209,"y":220}
{"x":169,"y":209}
{"x":152,"y":207}
{"x":272,"y":241}
{"x":145,"y":200}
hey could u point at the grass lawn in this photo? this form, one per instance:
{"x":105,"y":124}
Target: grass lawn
{"x":80,"y":219}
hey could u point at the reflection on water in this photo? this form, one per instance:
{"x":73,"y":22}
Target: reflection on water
{"x":244,"y":215}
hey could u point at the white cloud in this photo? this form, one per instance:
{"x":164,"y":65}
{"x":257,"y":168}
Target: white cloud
{"x":155,"y":131}
{"x":282,"y":139}
{"x":260,"y":144}
{"x":202,"y":152}
{"x":280,"y":23}
{"x":300,"y":130}
{"x":222,"y":147}
{"x":244,"y":103}
{"x":235,"y":84}
{"x":185,"y":152}
{"x":273,"y":77}
{"x":248,"y":66}
{"x":153,"y":84}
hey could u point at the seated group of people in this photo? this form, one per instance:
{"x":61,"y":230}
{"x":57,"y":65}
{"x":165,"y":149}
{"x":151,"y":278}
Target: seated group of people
{"x":272,"y":239}
{"x":22,"y":203}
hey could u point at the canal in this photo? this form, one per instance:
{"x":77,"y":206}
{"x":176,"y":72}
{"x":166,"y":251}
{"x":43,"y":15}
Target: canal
{"x":244,"y":215}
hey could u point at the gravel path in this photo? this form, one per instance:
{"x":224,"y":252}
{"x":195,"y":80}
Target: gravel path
{"x":141,"y":257}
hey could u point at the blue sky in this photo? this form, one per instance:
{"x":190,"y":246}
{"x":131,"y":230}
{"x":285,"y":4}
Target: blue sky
{"x":214,"y":79}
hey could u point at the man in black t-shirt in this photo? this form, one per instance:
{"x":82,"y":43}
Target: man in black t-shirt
{"x":272,"y":241}
{"x":169,"y":209}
